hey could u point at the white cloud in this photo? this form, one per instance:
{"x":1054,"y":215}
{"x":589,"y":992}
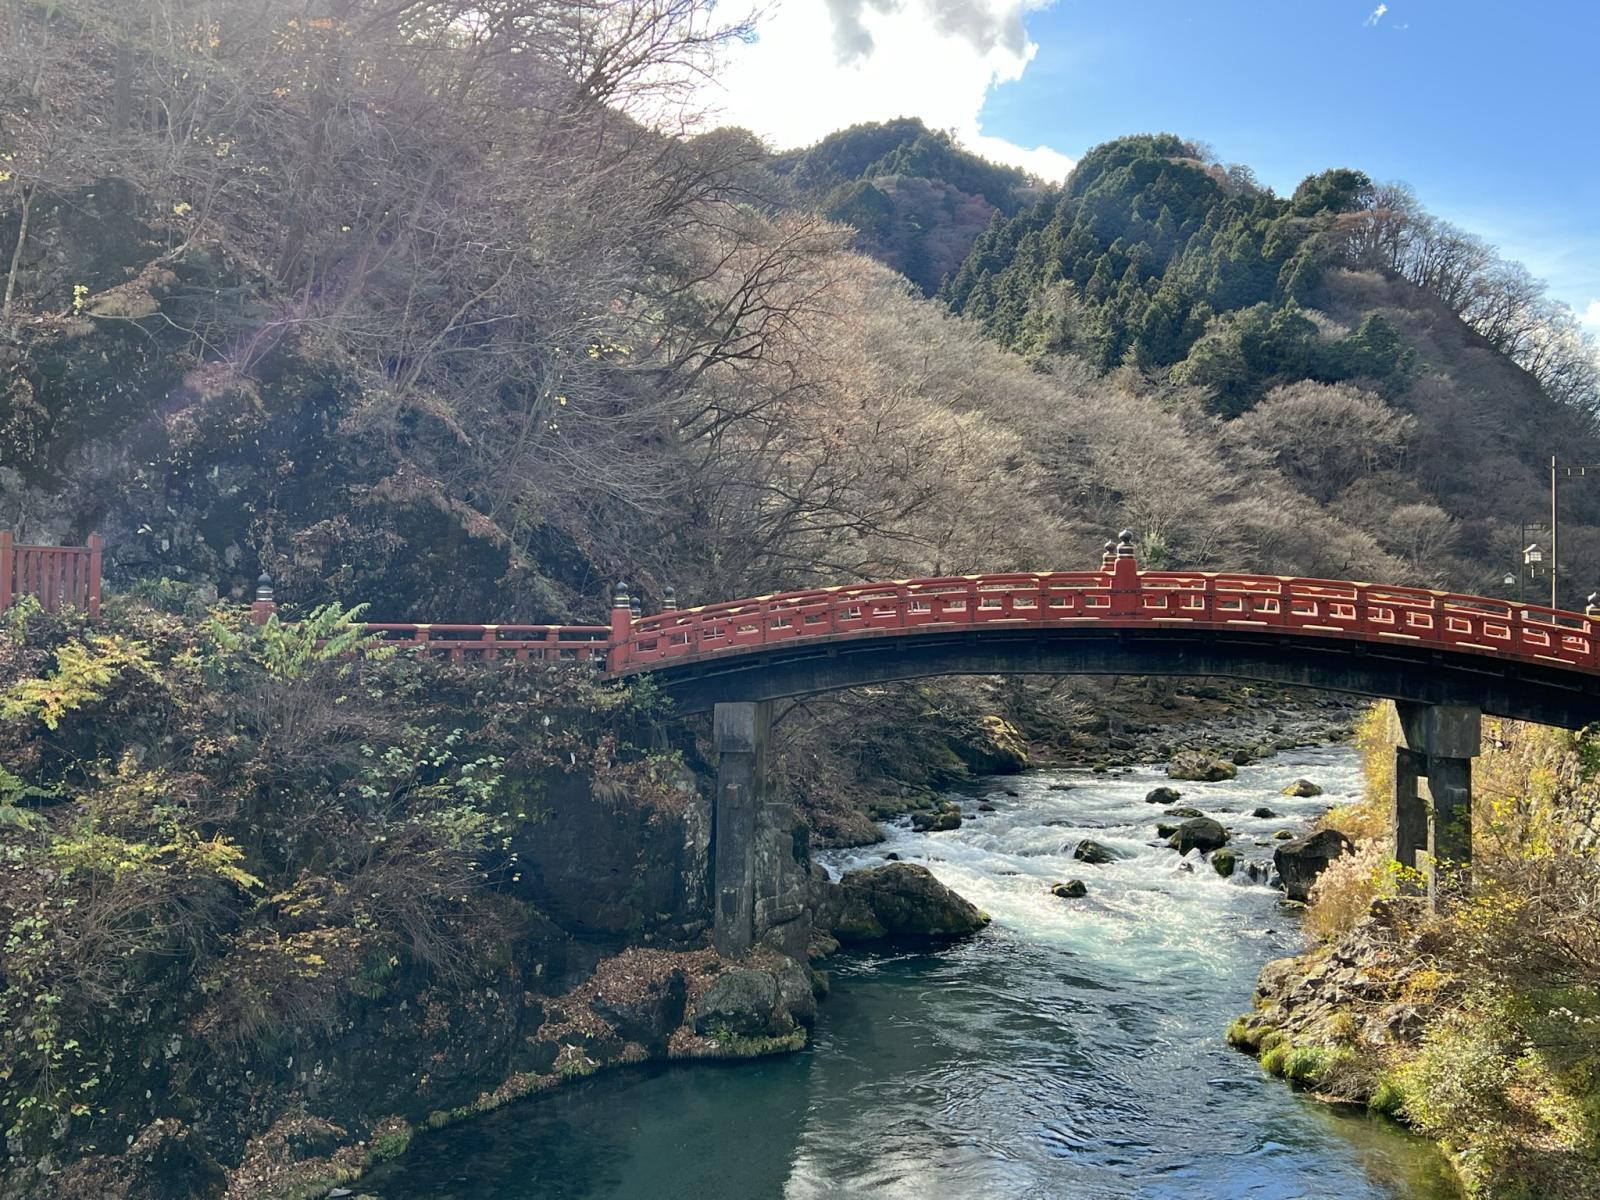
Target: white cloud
{"x":1376,"y":15}
{"x":820,"y":65}
{"x":1591,"y":317}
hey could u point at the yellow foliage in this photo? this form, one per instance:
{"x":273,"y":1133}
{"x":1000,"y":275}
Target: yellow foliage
{"x":1368,"y":819}
{"x":1344,"y":892}
{"x":84,"y":670}
{"x":185,"y":851}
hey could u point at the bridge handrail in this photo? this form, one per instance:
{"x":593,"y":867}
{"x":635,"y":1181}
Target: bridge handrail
{"x":519,"y":643}
{"x":1119,"y":596}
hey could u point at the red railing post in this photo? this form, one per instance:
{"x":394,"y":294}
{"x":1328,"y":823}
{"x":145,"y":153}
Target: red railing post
{"x":96,"y":549}
{"x":8,"y":556}
{"x":1124,"y":578}
{"x":621,"y":628}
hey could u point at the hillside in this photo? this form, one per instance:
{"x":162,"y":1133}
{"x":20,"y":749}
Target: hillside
{"x":915,"y":198}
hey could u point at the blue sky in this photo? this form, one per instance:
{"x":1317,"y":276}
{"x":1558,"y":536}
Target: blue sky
{"x":1490,"y":110}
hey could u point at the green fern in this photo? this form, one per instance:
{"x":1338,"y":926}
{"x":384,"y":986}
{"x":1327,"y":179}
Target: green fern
{"x":288,"y":650}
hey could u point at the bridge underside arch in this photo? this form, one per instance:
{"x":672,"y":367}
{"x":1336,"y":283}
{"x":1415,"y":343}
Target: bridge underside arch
{"x":1394,"y":671}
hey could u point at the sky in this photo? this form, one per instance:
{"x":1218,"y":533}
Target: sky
{"x":1490,"y":110}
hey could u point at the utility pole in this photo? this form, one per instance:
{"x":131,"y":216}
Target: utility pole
{"x":1556,"y":472}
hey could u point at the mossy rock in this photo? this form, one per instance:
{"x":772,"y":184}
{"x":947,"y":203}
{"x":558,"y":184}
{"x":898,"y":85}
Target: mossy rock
{"x":1304,"y":789}
{"x":1073,"y":889}
{"x":1202,"y":768}
{"x":1224,"y":862}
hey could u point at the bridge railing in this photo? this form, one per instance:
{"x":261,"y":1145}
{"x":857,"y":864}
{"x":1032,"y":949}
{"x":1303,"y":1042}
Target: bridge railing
{"x":1117,"y":595}
{"x":491,"y":643}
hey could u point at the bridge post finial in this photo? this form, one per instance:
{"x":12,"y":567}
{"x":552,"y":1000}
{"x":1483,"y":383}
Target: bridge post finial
{"x":669,"y":599}
{"x":635,"y":607}
{"x":264,"y":605}
{"x":1125,"y":544}
{"x":1108,"y":558}
{"x":1591,"y":606}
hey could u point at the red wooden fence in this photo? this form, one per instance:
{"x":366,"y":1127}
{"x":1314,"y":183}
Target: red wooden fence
{"x":58,"y":576}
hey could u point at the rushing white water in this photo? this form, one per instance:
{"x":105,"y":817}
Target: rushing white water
{"x":1150,"y":913}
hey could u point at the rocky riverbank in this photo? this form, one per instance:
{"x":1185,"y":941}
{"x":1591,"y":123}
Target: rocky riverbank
{"x":1474,"y":1026}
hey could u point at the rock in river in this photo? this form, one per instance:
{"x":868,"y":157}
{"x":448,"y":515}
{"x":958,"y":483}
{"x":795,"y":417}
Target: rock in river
{"x":937,"y":821}
{"x":740,"y":1002}
{"x":1302,"y":788}
{"x":1198,"y":833}
{"x":1094,"y":853}
{"x":1191,"y":764}
{"x":1073,"y":889}
{"x":901,"y":900}
{"x":1301,"y":860}
{"x":1163,"y":795}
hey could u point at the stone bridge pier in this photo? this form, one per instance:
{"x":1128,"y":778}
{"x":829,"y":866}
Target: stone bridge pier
{"x":760,"y":873}
{"x":1434,"y":748}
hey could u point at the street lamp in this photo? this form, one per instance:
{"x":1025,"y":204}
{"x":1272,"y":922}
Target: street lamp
{"x":1509,"y":582}
{"x":1532,"y":557}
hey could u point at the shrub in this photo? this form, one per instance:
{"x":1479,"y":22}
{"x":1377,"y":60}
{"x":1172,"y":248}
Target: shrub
{"x":1345,"y":891}
{"x":1272,"y":1060}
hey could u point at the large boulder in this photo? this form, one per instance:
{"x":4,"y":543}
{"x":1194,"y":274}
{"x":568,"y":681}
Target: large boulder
{"x":901,"y":900}
{"x":743,"y":1003}
{"x":1303,"y":788}
{"x":1191,"y":764}
{"x":993,"y":746}
{"x":1198,"y":833}
{"x":1300,"y":860}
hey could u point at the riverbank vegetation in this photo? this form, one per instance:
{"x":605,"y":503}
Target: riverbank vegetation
{"x":1481,"y":1027}
{"x":228,"y":847}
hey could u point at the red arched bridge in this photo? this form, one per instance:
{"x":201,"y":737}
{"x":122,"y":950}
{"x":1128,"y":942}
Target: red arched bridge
{"x":1443,"y":658}
{"x":1409,"y":644}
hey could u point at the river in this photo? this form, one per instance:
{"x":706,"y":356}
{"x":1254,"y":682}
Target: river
{"x":1073,"y":1050}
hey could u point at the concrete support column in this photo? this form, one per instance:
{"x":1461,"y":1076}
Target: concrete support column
{"x":1433,"y":782}
{"x":1410,"y":810}
{"x":740,"y":735}
{"x":1449,"y":786}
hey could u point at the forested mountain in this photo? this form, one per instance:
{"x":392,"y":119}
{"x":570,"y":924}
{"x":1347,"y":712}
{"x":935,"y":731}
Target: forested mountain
{"x":1153,"y":256}
{"x":915,"y":198}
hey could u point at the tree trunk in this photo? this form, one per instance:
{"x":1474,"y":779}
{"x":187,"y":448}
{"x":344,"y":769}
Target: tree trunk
{"x":16,"y":252}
